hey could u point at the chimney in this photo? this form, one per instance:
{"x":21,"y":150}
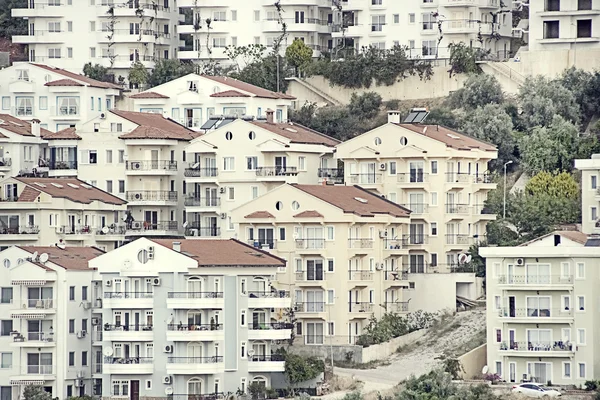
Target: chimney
{"x":35,"y":127}
{"x":177,"y":246}
{"x":393,"y":117}
{"x":270,"y":116}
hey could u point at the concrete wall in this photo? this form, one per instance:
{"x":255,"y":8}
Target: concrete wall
{"x":411,"y":88}
{"x":384,"y":350}
{"x":435,"y":292}
{"x":553,"y":63}
{"x":473,"y":362}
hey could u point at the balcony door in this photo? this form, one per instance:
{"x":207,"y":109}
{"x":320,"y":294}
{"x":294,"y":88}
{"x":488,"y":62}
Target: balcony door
{"x":194,"y":350}
{"x":367,"y":171}
{"x":280,"y":165}
{"x":259,"y":319}
{"x":194,"y":387}
{"x":417,"y":233}
{"x":260,"y":351}
{"x":314,"y":270}
{"x":417,"y":263}
{"x":416,"y":202}
{"x":314,"y":238}
{"x":416,"y":171}
{"x":211,"y":166}
{"x":154,"y":159}
{"x":265,"y":237}
{"x":538,"y":273}
{"x":315,"y":301}
{"x":211,"y":197}
{"x":211,"y":225}
{"x":150,"y":219}
{"x":194,"y":285}
{"x":71,"y":223}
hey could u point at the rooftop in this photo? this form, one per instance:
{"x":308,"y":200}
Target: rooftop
{"x":68,"y":188}
{"x":246,"y":87}
{"x":451,"y":138}
{"x":575,"y":236}
{"x":64,"y":134}
{"x":260,"y":214}
{"x":297,"y":133}
{"x":18,"y":126}
{"x":223,"y":252}
{"x":229,"y":93}
{"x":148,"y":95}
{"x":69,"y":258}
{"x":80,"y":78}
{"x":154,"y":126}
{"x":63,"y":82}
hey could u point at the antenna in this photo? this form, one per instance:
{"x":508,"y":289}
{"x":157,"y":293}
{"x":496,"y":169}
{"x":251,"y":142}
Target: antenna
{"x":44,"y":257}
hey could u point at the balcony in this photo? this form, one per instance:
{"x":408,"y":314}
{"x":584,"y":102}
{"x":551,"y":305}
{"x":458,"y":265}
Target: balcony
{"x":481,"y":212}
{"x":75,"y":232}
{"x":128,"y":300}
{"x":310,"y":309}
{"x":484,"y":179}
{"x":535,"y":282}
{"x":151,"y":197}
{"x":34,"y":339}
{"x":397,"y":307}
{"x":5,"y":163}
{"x":64,"y":113}
{"x":19,"y":233}
{"x":417,"y":208}
{"x":195,"y":230}
{"x":120,"y":333}
{"x":195,"y":300}
{"x":202,"y":203}
{"x":366,"y":180}
{"x":62,"y":168}
{"x":194,"y":332}
{"x":270,"y":331}
{"x":331,"y":175}
{"x":277,"y":173}
{"x":145,"y":228}
{"x":360,"y":244}
{"x":266,"y":363}
{"x":458,"y":179}
{"x":537,"y":349}
{"x":265,"y":244}
{"x":310,"y":246}
{"x":415,"y":240}
{"x":195,"y":365}
{"x":38,"y":10}
{"x":535,"y":315}
{"x":35,"y":309}
{"x":272,"y":299}
{"x":310,"y":278}
{"x":40,"y":370}
{"x":457,"y":211}
{"x":412,"y":179}
{"x":459,"y":240}
{"x":148,"y":167}
{"x":111,"y":233}
{"x":194,"y":171}
{"x":394,"y":246}
{"x":395,"y":279}
{"x":363,"y":309}
{"x":130,"y":365}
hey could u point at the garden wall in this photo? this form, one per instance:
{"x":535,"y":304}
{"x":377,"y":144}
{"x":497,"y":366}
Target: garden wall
{"x":473,"y":362}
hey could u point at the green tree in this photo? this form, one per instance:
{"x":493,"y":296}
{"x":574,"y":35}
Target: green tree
{"x":138,"y":74}
{"x":298,"y":55}
{"x":553,"y":184}
{"x":492,"y":124}
{"x":463,"y":59}
{"x":167,"y":70}
{"x":300,"y":369}
{"x":265,"y":73}
{"x":10,"y":26}
{"x":585,"y":86}
{"x":95,"y":71}
{"x":541,"y":99}
{"x":366,"y":105}
{"x":242,"y":56}
{"x":478,"y":91}
{"x":32,"y":392}
{"x":443,"y":116}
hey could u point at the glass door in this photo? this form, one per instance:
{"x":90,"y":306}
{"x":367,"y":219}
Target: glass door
{"x":416,"y":171}
{"x":280,"y":165}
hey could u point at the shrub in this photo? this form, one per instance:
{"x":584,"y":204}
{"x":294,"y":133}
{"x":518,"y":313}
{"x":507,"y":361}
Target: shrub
{"x":591,"y":385}
{"x":392,"y":325}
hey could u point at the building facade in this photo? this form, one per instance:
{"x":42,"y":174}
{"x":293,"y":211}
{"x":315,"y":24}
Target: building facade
{"x":189,"y":318}
{"x":540,"y":299}
{"x":590,"y":193}
{"x":46,"y":315}
{"x":21,"y":146}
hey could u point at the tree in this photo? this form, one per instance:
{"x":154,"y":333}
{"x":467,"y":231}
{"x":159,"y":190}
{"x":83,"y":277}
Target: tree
{"x":585,"y":86}
{"x":478,"y":91}
{"x":541,"y":99}
{"x":298,"y":54}
{"x":463,"y":59}
{"x":167,"y":70}
{"x":553,"y":184}
{"x":242,"y":56}
{"x":492,"y":124}
{"x":366,"y":105}
{"x":443,"y":116}
{"x":300,"y":369}
{"x":138,"y":74}
{"x":32,"y":392}
{"x":95,"y":71}
{"x":265,"y":73}
{"x":10,"y":26}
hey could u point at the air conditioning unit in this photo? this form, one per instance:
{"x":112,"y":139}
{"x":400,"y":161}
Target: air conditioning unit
{"x":108,"y":283}
{"x":95,"y":321}
{"x":86,"y":305}
{"x":221,"y":190}
{"x":150,"y":252}
{"x":81,"y":334}
{"x":168,"y":348}
{"x":223,"y":215}
{"x":136,"y":225}
{"x":78,"y":383}
{"x":60,"y":229}
{"x":156,"y":281}
{"x":382,"y":166}
{"x":136,"y":165}
{"x":167,"y":379}
{"x":520,"y":261}
{"x":379,"y":266}
{"x":102,"y":116}
{"x":80,"y":374}
{"x":383,"y":234}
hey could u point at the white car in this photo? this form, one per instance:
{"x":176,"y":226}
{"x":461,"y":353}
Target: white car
{"x":536,"y":391}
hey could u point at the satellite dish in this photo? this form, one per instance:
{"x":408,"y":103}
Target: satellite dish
{"x":195,"y":166}
{"x":105,"y":230}
{"x":43,"y":257}
{"x":34,"y":256}
{"x":469,"y":258}
{"x":485,"y":370}
{"x":169,"y":390}
{"x":107,"y":351}
{"x":462,"y":258}
{"x":61,"y":246}
{"x":185,"y":224}
{"x":251,"y":352}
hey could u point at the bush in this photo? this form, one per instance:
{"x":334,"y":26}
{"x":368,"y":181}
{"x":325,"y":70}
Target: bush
{"x":393,"y":325}
{"x":591,"y":385}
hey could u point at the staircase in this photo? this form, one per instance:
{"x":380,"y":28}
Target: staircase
{"x":314,"y":89}
{"x":505,"y":70}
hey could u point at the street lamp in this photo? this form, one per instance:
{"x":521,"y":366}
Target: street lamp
{"x":504,"y":211}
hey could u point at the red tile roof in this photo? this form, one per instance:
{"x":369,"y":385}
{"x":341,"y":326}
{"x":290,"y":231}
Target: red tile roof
{"x":154,"y":126}
{"x":309,"y":214}
{"x":260,"y":214}
{"x":297,"y":133}
{"x":69,"y":188}
{"x":355,"y":200}
{"x":63,"y":82}
{"x":18,"y":126}
{"x":451,"y":138}
{"x":246,"y":87}
{"x":81,"y":78}
{"x":69,"y":258}
{"x":229,"y":93}
{"x":64,"y":134}
{"x":575,"y":236}
{"x":29,"y":194}
{"x":148,"y":95}
{"x":223,"y":252}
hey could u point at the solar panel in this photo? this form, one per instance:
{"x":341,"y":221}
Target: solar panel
{"x":416,"y":116}
{"x":226,"y":121}
{"x":592,"y":242}
{"x":410,"y":118}
{"x":210,"y":123}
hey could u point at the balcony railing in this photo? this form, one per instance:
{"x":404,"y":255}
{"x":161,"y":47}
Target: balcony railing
{"x":458,"y":177}
{"x":457,"y":208}
{"x":40,"y":369}
{"x":153,"y":226}
{"x":314,"y":339}
{"x":360,"y":275}
{"x":310,"y":243}
{"x":366,"y":179}
{"x":149,"y":165}
{"x":29,"y":230}
{"x":195,"y":360}
{"x":197,"y":201}
{"x":534,"y":279}
{"x":212,"y":396}
{"x":34,"y":336}
{"x":194,"y":229}
{"x":40,"y":303}
{"x":310,"y":306}
{"x":260,"y":326}
{"x":534,"y":312}
{"x":128,"y":295}
{"x":335,"y":175}
{"x":399,"y":306}
{"x":263,"y":243}
{"x":310,"y":275}
{"x":112,"y":230}
{"x":61,"y":165}
{"x":151,"y":195}
{"x":96,"y":368}
{"x":198,"y":172}
{"x":394,"y":244}
{"x":360,"y":307}
{"x":76,"y":229}
{"x":483,"y":178}
{"x":273,"y":294}
{"x":415,"y":239}
{"x":365,"y":243}
{"x":120,"y":328}
{"x":412,"y":177}
{"x":537,"y":346}
{"x":5,"y":161}
{"x":266,"y":358}
{"x":276,"y":171}
{"x":482,"y":209}
{"x":396,"y":275}
{"x":128,"y":360}
{"x":417,"y":208}
{"x":195,"y":295}
{"x":459,"y":239}
{"x":194,"y":327}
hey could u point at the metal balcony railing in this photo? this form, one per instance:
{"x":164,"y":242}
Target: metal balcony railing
{"x":128,"y":360}
{"x":457,"y":208}
{"x":277,"y":294}
{"x":534,"y":312}
{"x":412,"y":177}
{"x":125,"y":328}
{"x":276,"y":171}
{"x":535,"y":279}
{"x":360,"y":275}
{"x":29,"y":230}
{"x":194,"y":327}
{"x":310,"y":306}
{"x":195,"y":360}
{"x":310,"y":243}
{"x":365,"y":243}
{"x":40,"y":303}
{"x":151,"y":195}
{"x":363,"y":307}
{"x":263,"y":243}
{"x":366,"y":179}
{"x":197,"y":201}
{"x":195,"y":295}
{"x":415,"y":239}
{"x":417,"y":208}
{"x":128,"y":295}
{"x":194,"y":229}
{"x":536,"y":346}
{"x":153,"y":226}
{"x":399,"y":306}
{"x":62,"y":165}
{"x":194,"y":171}
{"x":149,"y":165}
{"x":40,"y":369}
{"x":266,"y":358}
{"x":260,"y":326}
{"x":76,"y":229}
{"x":458,"y":177}
{"x":335,"y":175}
{"x":310,"y":275}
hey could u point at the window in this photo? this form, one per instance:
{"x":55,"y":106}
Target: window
{"x":243,"y":350}
{"x":411,"y":18}
{"x":122,"y":157}
{"x":71,"y":326}
{"x":551,"y":29}
{"x":314,"y":333}
{"x":254,"y":190}
{"x":6,"y":102}
{"x":581,"y":303}
{"x":498,"y":335}
{"x":68,"y":105}
{"x":5,"y":360}
{"x":84,"y":358}
{"x":580,"y":270}
{"x":330,"y":296}
{"x":84,"y":293}
{"x":53,"y":26}
{"x":219,"y":42}
{"x":228,"y":163}
{"x":330,"y":232}
{"x":282,"y":234}
{"x":566,"y":370}
{"x":392,"y":167}
{"x":251,"y":163}
{"x":148,"y":384}
{"x":581,"y":367}
{"x":434,"y":200}
{"x":330,"y":265}
{"x":396,"y":18}
{"x":377,"y":23}
{"x":92,"y":52}
{"x":302,"y":163}
{"x":429,"y":21}
{"x":43,"y":103}
{"x":121,"y":186}
{"x":231,"y":193}
{"x":594,"y":182}
{"x":116,"y":127}
{"x":581,"y":336}
{"x":594,"y":213}
{"x":6,"y":326}
{"x":434,"y":259}
{"x":72,"y":293}
{"x":428,"y":47}
{"x":109,"y":186}
{"x":434,"y":229}
{"x":566,"y":303}
{"x":109,"y":154}
{"x":24,"y":106}
{"x":84,"y":324}
{"x":331,"y":328}
{"x":256,"y":18}
{"x":69,"y":391}
{"x":71,"y":358}
{"x":54,"y":53}
{"x":6,"y":295}
{"x":243,"y":317}
{"x":499,"y":368}
{"x":497,"y":302}
{"x":69,"y":52}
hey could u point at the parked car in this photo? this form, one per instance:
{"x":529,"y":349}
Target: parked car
{"x":534,"y":390}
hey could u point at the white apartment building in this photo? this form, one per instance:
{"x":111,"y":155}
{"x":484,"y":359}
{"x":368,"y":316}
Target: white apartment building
{"x":590,"y":193}
{"x":564,"y":25}
{"x":439,"y":174}
{"x":540,"y":309}
{"x":326,"y":25}
{"x":193,"y":99}
{"x":243,"y":159}
{"x":45,"y":314}
{"x":58,"y":98}
{"x":67,"y":34}
{"x":189,"y":319}
{"x":20,"y":144}
{"x":46,"y":211}
{"x":347,"y":259}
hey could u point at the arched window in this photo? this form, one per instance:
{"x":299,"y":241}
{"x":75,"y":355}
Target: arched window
{"x":194,"y":286}
{"x":259,"y":319}
{"x":261,"y":381}
{"x":259,"y":351}
{"x":194,"y":386}
{"x":260,"y":284}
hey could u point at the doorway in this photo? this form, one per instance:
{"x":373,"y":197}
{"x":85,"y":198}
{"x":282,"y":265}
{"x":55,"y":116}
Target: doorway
{"x":511,"y":307}
{"x":280,"y":165}
{"x":135,"y":390}
{"x":150,"y":220}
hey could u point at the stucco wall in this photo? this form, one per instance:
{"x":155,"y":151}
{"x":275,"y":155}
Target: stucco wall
{"x":473,"y":362}
{"x":553,"y":63}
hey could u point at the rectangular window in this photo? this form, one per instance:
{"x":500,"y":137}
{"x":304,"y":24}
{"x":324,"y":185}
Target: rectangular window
{"x":497,"y":302}
{"x":566,"y":303}
{"x":330,"y":265}
{"x":71,"y":326}
{"x":580,"y":268}
{"x":434,"y":199}
{"x":392,"y":167}
{"x":498,"y":335}
{"x":84,"y":358}
{"x":6,"y":102}
{"x":228,"y":163}
{"x":594,"y":213}
{"x":121,"y":186}
{"x":282,"y":234}
{"x":302,"y":163}
{"x":109,"y":154}
{"x":434,"y":229}
{"x":72,"y":293}
{"x":231,"y":193}
{"x":551,"y":29}
{"x":581,"y":368}
{"x":330,"y":232}
{"x":434,"y":167}
{"x":7,"y":295}
{"x":109,"y":186}
{"x":6,"y":362}
{"x":566,"y":370}
{"x":594,"y":182}
{"x":581,"y":336}
{"x":24,"y":106}
{"x":84,"y":293}
{"x":251,"y":163}
{"x":411,"y":18}
{"x":330,"y":296}
{"x":122,"y":156}
{"x":396,"y":18}
{"x":115,"y":127}
{"x":43,"y":103}
{"x":71,"y":358}
{"x":254,"y":190}
{"x":331,"y":328}
{"x":6,"y":326}
{"x":581,"y":303}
